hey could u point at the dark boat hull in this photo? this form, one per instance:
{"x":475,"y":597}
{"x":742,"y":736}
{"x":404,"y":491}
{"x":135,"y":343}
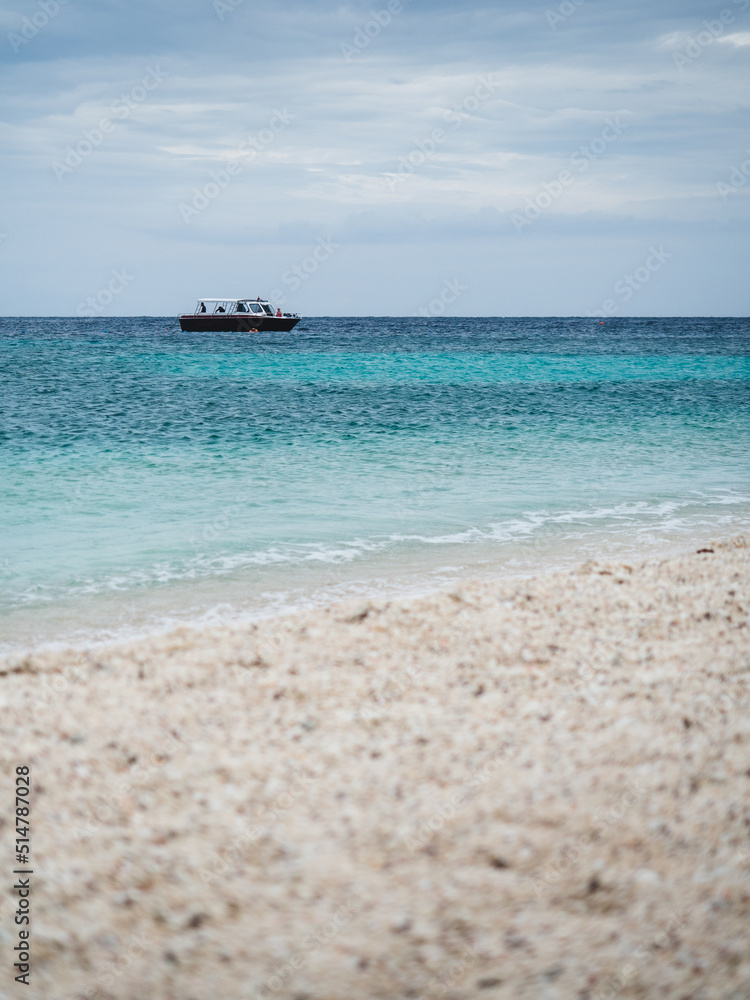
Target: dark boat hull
{"x":236,"y":323}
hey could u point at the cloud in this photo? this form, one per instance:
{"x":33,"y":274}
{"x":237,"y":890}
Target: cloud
{"x":446,"y":122}
{"x":739,"y":39}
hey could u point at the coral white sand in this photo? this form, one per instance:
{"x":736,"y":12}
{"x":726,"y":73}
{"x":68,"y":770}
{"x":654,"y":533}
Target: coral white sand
{"x":520,"y":789}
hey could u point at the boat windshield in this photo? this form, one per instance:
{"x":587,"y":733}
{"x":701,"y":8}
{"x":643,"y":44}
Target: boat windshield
{"x":255,"y":307}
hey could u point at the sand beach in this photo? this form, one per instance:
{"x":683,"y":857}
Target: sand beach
{"x":534,"y":788}
{"x":375,"y":501}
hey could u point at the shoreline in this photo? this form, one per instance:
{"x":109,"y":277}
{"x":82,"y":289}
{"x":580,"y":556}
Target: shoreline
{"x":504,"y":789}
{"x":103,"y":627}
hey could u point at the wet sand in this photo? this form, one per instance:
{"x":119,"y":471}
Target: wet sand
{"x":519,"y":789}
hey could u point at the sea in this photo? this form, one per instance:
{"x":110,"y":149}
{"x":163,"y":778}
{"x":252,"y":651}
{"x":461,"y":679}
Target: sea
{"x":152,"y":478}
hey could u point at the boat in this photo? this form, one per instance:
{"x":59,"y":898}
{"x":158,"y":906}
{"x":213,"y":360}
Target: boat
{"x":237,"y":316}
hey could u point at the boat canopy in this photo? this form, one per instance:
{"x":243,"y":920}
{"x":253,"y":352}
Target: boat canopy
{"x":254,"y":307}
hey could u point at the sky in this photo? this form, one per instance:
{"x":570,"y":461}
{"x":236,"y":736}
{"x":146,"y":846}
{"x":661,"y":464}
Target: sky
{"x":401,"y":157}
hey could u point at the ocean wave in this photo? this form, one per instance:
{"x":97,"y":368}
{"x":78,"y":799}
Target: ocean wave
{"x":598,"y":526}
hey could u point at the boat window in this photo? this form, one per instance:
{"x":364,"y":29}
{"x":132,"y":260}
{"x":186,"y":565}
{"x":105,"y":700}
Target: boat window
{"x":255,"y":306}
{"x":241,"y":307}
{"x":267,"y":310}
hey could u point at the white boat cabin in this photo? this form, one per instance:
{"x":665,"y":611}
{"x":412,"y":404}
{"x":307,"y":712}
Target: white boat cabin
{"x":230,"y":307}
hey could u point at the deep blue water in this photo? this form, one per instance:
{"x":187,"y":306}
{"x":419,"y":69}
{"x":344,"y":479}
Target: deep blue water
{"x":150,"y":475}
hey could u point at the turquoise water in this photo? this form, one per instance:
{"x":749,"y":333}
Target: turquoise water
{"x":152,"y":477}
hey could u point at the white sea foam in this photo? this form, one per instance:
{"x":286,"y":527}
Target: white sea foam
{"x":234,"y":587}
{"x":599,"y":526}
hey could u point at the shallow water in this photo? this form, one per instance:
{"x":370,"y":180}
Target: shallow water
{"x":152,"y":477}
